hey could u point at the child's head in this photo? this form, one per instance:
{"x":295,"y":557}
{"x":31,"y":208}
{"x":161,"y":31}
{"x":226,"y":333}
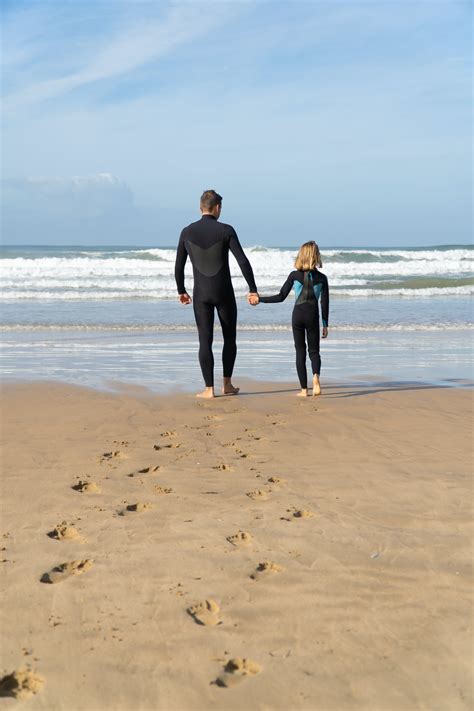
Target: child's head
{"x":308,"y":257}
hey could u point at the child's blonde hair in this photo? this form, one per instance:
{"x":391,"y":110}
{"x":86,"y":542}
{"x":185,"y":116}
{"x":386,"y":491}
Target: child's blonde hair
{"x":308,"y":257}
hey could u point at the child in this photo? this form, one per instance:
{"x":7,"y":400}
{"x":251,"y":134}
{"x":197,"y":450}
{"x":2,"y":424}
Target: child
{"x":309,"y":284}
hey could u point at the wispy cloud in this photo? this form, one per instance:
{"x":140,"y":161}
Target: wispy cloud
{"x":135,"y":45}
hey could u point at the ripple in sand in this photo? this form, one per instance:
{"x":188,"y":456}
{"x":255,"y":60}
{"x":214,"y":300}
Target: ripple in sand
{"x":206,"y":613}
{"x":66,"y":570}
{"x":236,"y":670}
{"x":21,"y":684}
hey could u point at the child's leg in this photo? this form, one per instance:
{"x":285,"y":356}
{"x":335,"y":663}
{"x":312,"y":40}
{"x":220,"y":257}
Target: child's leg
{"x":313,"y":349}
{"x":300,"y":347}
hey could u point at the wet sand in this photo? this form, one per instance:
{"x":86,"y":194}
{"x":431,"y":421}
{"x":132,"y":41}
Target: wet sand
{"x":255,"y":552}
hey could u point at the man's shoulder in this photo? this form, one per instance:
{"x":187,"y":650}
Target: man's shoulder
{"x":228,"y":229}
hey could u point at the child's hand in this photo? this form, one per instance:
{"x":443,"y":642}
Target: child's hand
{"x":253,"y":299}
{"x":325,"y":332}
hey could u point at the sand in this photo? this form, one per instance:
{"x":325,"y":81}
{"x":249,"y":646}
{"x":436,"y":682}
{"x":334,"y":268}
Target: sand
{"x":253,"y":552}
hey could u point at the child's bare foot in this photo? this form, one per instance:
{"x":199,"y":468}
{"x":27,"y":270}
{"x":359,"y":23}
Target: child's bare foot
{"x":206,"y":393}
{"x":228,"y":388}
{"x":303,"y":393}
{"x":316,"y":386}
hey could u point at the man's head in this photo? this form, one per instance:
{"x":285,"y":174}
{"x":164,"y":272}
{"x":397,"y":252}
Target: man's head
{"x":211,"y":203}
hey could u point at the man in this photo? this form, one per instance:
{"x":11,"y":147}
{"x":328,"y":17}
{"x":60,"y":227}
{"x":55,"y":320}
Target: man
{"x":207,"y":242}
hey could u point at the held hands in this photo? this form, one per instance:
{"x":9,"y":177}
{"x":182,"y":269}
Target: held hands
{"x":325,"y":332}
{"x":253,"y":299}
{"x":185,"y":298}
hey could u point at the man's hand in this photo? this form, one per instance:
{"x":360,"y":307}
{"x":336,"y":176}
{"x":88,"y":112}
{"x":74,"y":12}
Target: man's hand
{"x":253,"y":299}
{"x":325,"y":332}
{"x":185,"y":298}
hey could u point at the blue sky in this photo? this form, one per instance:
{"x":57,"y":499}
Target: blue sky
{"x":348,"y":122}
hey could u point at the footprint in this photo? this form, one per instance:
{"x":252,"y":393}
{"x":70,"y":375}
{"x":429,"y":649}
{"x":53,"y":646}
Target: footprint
{"x":158,"y":447}
{"x":206,"y":613}
{"x":107,"y":456}
{"x":213,"y":417}
{"x":86,"y":487}
{"x":265,"y":569}
{"x":297,"y":513}
{"x":236,"y":670}
{"x":21,"y":684}
{"x":240,"y":539}
{"x":276,"y":480}
{"x":223,"y":467}
{"x":258,"y":494}
{"x":168,"y":433}
{"x":135,"y":508}
{"x":63,"y":531}
{"x":302,"y":513}
{"x":146,"y":470}
{"x":163,"y":490}
{"x":66,"y":570}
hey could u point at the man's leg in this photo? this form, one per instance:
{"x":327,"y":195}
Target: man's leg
{"x":204,"y":315}
{"x":227,"y":313}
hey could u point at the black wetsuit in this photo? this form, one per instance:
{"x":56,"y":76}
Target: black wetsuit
{"x":309,"y":287}
{"x":208,"y":243}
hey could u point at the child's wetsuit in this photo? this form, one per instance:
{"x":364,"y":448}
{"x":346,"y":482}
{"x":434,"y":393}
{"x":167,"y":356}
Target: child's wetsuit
{"x":309,"y":288}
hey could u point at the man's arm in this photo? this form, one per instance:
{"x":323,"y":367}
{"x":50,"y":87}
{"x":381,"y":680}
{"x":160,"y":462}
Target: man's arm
{"x":244,"y":264}
{"x":181,"y":257}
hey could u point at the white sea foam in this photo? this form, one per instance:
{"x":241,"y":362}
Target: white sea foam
{"x":261,"y":327}
{"x":149,"y":273}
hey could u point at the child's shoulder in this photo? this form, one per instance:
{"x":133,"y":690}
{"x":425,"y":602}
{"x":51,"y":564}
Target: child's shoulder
{"x":319,"y":277}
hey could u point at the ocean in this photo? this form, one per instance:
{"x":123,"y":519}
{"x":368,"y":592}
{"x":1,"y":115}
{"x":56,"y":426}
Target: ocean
{"x":107,"y":316}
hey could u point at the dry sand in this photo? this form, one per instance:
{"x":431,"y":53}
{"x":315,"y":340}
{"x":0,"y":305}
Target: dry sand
{"x":260,"y":552}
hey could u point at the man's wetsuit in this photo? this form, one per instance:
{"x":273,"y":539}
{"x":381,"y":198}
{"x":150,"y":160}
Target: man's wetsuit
{"x":208,"y":242}
{"x":309,"y":288}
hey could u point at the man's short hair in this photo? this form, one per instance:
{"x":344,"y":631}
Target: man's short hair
{"x":210,"y":199}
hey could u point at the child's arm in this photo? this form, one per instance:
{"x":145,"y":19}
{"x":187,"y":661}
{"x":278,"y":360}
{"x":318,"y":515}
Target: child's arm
{"x":281,"y":296}
{"x":325,"y":306}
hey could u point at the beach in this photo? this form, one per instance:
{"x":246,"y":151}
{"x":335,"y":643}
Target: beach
{"x":326,"y":542}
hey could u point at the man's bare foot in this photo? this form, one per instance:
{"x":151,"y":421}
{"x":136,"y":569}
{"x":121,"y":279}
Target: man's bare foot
{"x":228,"y":388}
{"x":206,"y":393}
{"x":316,"y":386}
{"x":302,"y":393}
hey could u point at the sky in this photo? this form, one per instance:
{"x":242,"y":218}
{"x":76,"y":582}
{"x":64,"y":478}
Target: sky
{"x":345,"y":122}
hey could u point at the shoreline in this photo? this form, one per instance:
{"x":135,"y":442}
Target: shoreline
{"x":360,"y":499}
{"x":249,"y":387}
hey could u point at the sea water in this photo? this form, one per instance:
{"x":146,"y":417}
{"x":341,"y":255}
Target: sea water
{"x":106,"y":315}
